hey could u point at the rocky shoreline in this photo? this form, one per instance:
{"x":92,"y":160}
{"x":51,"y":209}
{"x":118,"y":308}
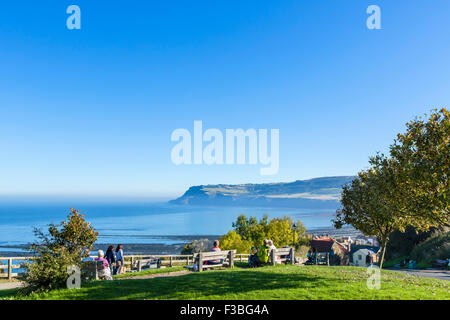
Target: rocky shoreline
{"x":175,"y":247}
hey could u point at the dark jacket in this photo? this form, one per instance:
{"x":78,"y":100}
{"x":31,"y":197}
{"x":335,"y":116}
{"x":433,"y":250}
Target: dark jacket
{"x":109,"y":256}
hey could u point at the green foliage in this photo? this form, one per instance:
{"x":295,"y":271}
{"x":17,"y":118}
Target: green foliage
{"x":402,"y":243}
{"x":410,"y":188}
{"x":249,"y":232}
{"x":421,"y":158}
{"x":65,"y":244}
{"x":366,"y":205}
{"x":197,"y":246}
{"x":435,"y":247}
{"x":233,"y":241}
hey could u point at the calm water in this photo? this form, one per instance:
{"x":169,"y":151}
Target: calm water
{"x":141,"y":222}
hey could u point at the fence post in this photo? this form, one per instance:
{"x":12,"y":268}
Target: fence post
{"x":131,"y":263}
{"x":200,"y":262}
{"x":139,"y":265}
{"x":291,"y":253}
{"x":272,"y":257}
{"x":170,"y":264}
{"x":9,"y":269}
{"x":328,"y":258}
{"x":231,"y":258}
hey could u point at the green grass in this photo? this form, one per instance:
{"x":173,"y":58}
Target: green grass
{"x":278,"y":282}
{"x":393,"y":262}
{"x":148,"y":272}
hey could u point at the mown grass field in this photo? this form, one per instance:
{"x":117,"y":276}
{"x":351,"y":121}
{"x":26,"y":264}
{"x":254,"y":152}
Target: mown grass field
{"x":279,"y":282}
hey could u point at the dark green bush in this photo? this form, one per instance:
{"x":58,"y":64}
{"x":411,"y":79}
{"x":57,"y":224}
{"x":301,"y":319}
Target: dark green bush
{"x":64,"y":245}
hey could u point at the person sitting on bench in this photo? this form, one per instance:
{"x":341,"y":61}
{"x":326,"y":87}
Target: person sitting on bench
{"x":215,"y":249}
{"x":261,"y":256}
{"x":105,"y":272}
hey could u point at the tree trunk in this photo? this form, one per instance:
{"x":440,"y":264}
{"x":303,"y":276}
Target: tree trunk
{"x":384,"y":251}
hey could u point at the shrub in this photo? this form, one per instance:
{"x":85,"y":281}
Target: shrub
{"x":435,"y":247}
{"x":65,"y":244}
{"x":197,"y":246}
{"x":402,"y":243}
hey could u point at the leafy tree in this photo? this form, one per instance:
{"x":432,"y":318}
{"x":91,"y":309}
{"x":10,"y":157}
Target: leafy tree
{"x":233,"y":241}
{"x":280,"y":231}
{"x":366,"y":206}
{"x":253,"y":232}
{"x":65,"y":244}
{"x":422,"y":160}
{"x":410,"y":188}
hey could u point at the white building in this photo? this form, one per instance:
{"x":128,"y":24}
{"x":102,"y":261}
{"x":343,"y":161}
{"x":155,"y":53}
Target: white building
{"x":359,"y":257}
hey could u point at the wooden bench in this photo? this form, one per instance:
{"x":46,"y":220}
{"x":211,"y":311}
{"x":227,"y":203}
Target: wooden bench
{"x":226,"y":259}
{"x":90,"y":270}
{"x":285,"y":255}
{"x":148,"y":263}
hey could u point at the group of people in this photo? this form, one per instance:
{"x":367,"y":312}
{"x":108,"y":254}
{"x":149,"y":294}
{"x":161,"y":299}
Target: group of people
{"x":113,"y":261}
{"x":261,"y":256}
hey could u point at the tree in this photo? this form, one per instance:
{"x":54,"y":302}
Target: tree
{"x":409,"y":188}
{"x":421,"y":156}
{"x":232,"y":241}
{"x":366,"y":206}
{"x":279,"y":230}
{"x":66,"y":244}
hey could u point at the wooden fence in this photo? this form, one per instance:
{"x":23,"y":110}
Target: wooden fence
{"x":14,"y":266}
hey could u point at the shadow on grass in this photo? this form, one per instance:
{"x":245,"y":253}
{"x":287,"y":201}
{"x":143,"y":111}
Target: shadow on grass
{"x":8,"y":293}
{"x":195,"y":285}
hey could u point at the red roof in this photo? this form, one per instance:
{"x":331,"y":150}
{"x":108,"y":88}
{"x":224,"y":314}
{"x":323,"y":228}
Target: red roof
{"x":324,"y":244}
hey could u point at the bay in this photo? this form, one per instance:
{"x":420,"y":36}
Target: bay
{"x":141,"y":222}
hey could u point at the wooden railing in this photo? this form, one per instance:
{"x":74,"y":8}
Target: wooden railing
{"x":10,"y":266}
{"x":9,"y":270}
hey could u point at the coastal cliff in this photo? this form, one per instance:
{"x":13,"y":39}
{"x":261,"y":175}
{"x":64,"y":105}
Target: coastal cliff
{"x":318,"y":193}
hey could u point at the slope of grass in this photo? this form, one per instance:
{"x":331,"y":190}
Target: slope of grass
{"x":278,"y":282}
{"x":435,"y":247}
{"x":148,"y":272}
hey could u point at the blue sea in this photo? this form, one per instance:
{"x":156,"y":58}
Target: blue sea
{"x":141,"y":222}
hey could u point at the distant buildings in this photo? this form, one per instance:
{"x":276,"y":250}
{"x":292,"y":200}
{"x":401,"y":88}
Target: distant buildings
{"x":345,"y":251}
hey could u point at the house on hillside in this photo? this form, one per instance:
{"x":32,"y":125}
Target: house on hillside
{"x":359,"y":257}
{"x":338,"y":253}
{"x":359,"y":254}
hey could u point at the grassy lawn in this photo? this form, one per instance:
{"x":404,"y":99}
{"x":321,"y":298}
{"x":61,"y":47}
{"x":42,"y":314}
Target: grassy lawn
{"x":148,"y":272}
{"x":279,"y":282}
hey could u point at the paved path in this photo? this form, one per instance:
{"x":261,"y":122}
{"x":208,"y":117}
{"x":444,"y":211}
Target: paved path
{"x":430,"y":273}
{"x":10,"y":285}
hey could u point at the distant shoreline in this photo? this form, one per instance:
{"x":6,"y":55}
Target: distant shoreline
{"x":18,"y":250}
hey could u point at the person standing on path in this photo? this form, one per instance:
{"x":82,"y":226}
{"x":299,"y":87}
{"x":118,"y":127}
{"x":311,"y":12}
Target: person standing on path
{"x":119,"y":260}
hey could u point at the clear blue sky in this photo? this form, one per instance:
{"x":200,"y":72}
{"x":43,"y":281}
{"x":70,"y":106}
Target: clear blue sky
{"x":91,"y":111}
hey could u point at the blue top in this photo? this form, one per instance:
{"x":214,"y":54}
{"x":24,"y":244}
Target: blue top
{"x":119,"y":255}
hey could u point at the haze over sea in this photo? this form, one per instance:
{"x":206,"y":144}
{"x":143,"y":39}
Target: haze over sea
{"x":139,"y":222}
